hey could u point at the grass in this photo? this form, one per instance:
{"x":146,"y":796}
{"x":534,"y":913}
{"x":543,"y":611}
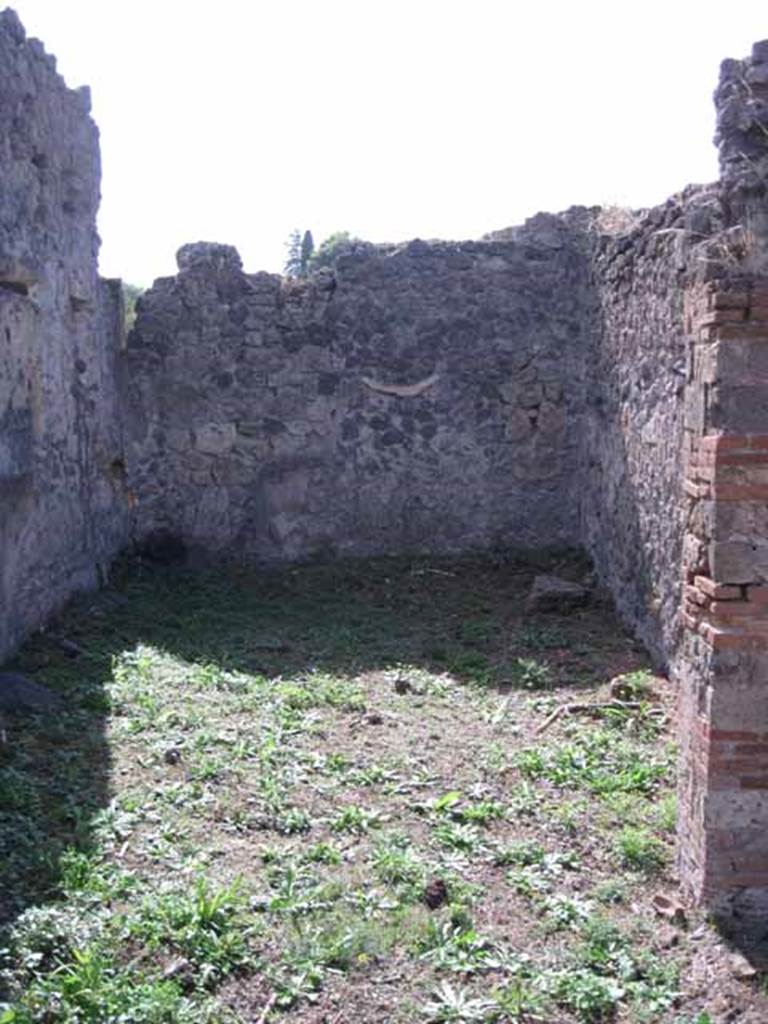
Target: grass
{"x":319,"y":795}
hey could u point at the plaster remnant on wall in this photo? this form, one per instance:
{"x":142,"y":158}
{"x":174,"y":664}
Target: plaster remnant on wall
{"x":401,"y":390}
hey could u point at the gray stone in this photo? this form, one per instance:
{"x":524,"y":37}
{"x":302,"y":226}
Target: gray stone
{"x":63,"y":503}
{"x":553,"y":594}
{"x":208,"y":256}
{"x":390,"y":376}
{"x":740,"y":561}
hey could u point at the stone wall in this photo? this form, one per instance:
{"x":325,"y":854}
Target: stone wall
{"x":520,"y":392}
{"x":633,"y":436}
{"x":723,"y":849}
{"x":418,"y":398}
{"x":61,"y":512}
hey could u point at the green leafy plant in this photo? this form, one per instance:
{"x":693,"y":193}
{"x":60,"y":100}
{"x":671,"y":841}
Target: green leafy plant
{"x":531,"y":674}
{"x":457,"y":837}
{"x":456,"y":1004}
{"x":481,"y":812}
{"x":592,"y":997}
{"x":641,"y":851}
{"x":355,"y":819}
{"x":596,"y":760}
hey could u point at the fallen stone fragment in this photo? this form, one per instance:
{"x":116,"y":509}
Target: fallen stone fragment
{"x":741,"y":967}
{"x":667,"y":937}
{"x":670,"y":908}
{"x":17,"y":693}
{"x":552,"y":594}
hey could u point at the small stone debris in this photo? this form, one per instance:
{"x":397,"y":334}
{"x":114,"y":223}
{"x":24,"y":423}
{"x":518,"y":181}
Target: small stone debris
{"x":667,"y":937}
{"x":17,"y":693}
{"x":740,"y":967}
{"x":435,"y":893}
{"x":553,"y":594}
{"x":175,"y":967}
{"x":670,"y":908}
{"x":182,"y":972}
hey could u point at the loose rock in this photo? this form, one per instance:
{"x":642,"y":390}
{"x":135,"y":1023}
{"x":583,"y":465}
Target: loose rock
{"x":436,"y":893}
{"x":553,"y":594}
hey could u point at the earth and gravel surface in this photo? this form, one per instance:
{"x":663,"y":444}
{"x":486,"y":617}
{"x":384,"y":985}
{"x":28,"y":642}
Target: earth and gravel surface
{"x":374,"y":792}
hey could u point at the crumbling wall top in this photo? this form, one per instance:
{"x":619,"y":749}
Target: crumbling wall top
{"x":208,"y":256}
{"x":741,"y":102}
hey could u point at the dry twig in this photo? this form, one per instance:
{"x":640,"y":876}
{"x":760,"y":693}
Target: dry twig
{"x":573,"y":709}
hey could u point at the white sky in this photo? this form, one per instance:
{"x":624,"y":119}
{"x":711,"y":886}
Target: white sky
{"x":238,"y":120}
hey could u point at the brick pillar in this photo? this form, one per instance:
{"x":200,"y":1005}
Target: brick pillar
{"x":723,"y":814}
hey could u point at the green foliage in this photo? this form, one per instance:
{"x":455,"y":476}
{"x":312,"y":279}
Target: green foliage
{"x":472,"y":665}
{"x":635,"y":685}
{"x":307,"y":251}
{"x":520,"y":854}
{"x":204,"y":924}
{"x":531,"y":674}
{"x":597,"y":761}
{"x":456,"y":1004}
{"x":541,"y":638}
{"x":590,"y":996}
{"x":131,"y":295}
{"x":300,"y":249}
{"x":640,"y":850}
{"x":354,"y":819}
{"x":395,"y":863}
{"x":519,"y":1002}
{"x":464,"y":838}
{"x":482,"y":812}
{"x":330,"y":249}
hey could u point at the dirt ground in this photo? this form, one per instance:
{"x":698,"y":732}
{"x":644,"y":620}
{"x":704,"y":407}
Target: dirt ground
{"x":372,"y":792}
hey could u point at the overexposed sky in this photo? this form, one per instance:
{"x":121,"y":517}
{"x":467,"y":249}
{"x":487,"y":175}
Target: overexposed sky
{"x":236,"y":121}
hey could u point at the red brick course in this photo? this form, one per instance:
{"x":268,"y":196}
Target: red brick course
{"x":727,"y":619}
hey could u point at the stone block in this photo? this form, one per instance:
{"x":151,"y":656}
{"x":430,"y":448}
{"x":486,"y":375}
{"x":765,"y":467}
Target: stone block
{"x":741,"y":409}
{"x":215,"y":438}
{"x":553,"y":594}
{"x":16,"y":445}
{"x":739,"y":561}
{"x":208,"y":257}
